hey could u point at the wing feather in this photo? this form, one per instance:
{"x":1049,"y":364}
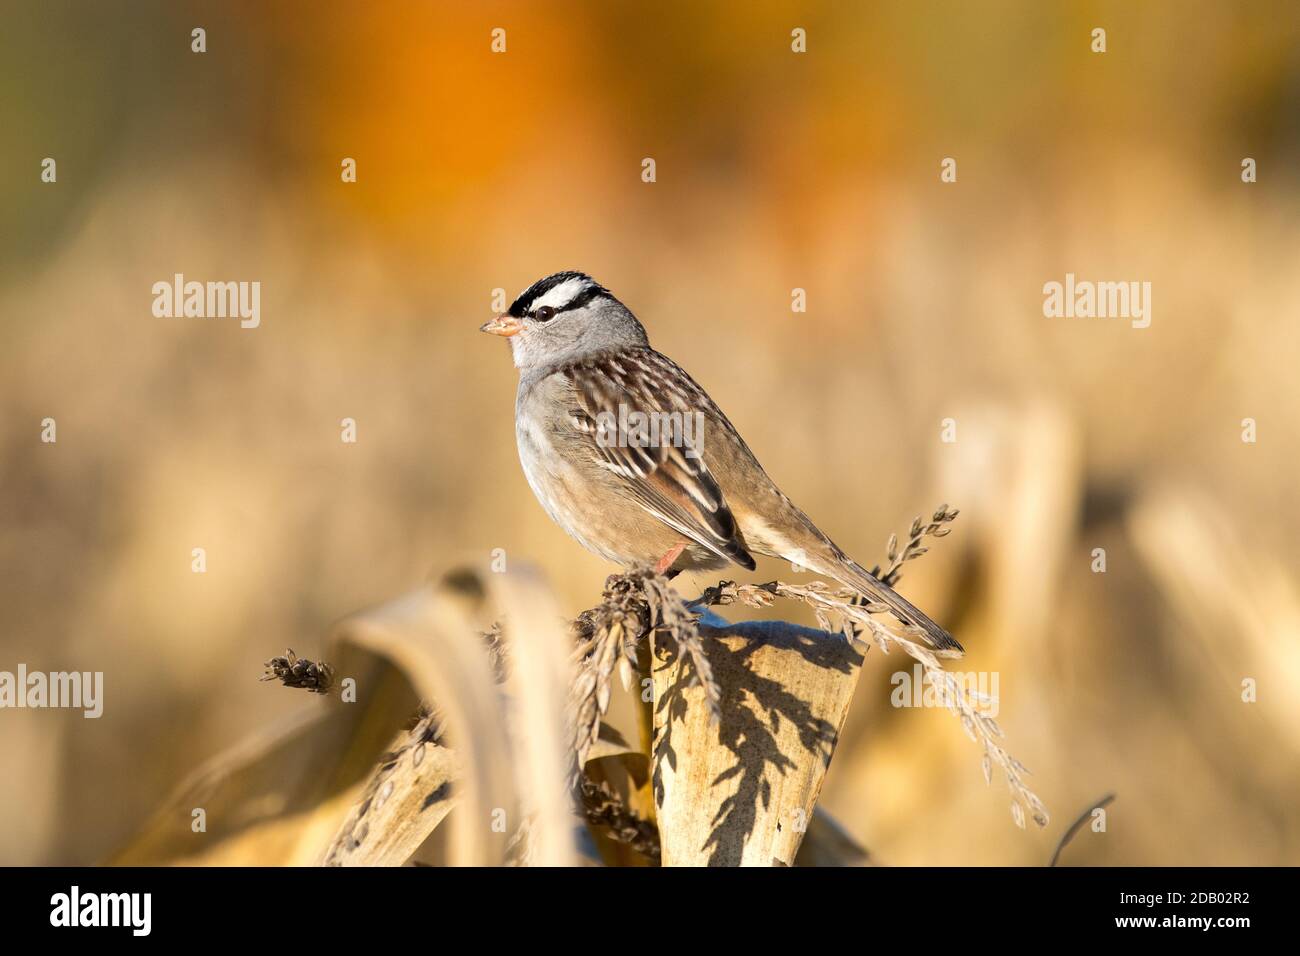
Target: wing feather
{"x":659,"y":471}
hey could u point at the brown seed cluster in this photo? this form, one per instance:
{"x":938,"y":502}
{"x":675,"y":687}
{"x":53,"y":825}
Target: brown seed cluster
{"x":294,"y":671}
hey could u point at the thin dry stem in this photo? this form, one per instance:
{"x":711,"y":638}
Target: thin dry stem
{"x":633,"y":604}
{"x":936,"y":527}
{"x":842,"y":610}
{"x":1077,"y":825}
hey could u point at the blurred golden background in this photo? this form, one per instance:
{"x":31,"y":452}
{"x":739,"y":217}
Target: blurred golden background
{"x":775,"y":170}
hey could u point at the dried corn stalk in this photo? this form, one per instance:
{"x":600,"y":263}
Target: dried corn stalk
{"x":736,"y":741}
{"x":742,"y":791}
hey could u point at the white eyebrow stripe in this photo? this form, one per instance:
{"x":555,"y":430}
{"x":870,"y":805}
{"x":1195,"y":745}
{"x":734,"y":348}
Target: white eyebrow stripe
{"x":560,"y":296}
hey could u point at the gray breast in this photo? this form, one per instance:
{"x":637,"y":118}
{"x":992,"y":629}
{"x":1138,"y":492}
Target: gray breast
{"x":583,"y":497}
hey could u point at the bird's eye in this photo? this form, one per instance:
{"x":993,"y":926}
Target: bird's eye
{"x":544,"y":314}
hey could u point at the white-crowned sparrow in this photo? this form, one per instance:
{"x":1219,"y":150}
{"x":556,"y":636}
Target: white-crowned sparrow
{"x":634,"y":460}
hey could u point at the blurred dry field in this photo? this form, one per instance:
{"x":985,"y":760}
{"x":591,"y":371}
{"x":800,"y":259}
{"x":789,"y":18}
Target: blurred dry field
{"x":774,"y":171}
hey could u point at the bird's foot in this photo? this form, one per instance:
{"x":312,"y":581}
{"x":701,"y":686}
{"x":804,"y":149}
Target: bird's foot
{"x":667,"y":560}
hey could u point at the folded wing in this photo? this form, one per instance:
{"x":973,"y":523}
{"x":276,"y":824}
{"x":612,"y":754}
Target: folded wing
{"x":633,"y":407}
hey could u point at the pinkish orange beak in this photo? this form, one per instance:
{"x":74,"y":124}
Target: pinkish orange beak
{"x":506,"y":325}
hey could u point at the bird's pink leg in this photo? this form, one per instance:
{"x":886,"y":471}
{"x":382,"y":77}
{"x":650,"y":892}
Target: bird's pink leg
{"x":667,"y":560}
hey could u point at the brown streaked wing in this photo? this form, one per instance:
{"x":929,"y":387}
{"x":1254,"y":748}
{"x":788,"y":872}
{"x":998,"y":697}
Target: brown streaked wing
{"x":674,"y":487}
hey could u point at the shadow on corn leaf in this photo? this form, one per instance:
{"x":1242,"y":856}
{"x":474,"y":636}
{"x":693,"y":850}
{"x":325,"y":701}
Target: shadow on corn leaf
{"x":785,"y":695}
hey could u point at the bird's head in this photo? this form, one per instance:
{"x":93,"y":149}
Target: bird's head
{"x":565,"y":317}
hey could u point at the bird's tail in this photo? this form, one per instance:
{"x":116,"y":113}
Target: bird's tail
{"x":853,"y":575}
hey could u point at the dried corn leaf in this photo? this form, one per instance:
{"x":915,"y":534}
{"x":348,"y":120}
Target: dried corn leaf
{"x":274,"y":799}
{"x":511,"y":803}
{"x":539,"y":683}
{"x":311,"y":790}
{"x":409,"y":794}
